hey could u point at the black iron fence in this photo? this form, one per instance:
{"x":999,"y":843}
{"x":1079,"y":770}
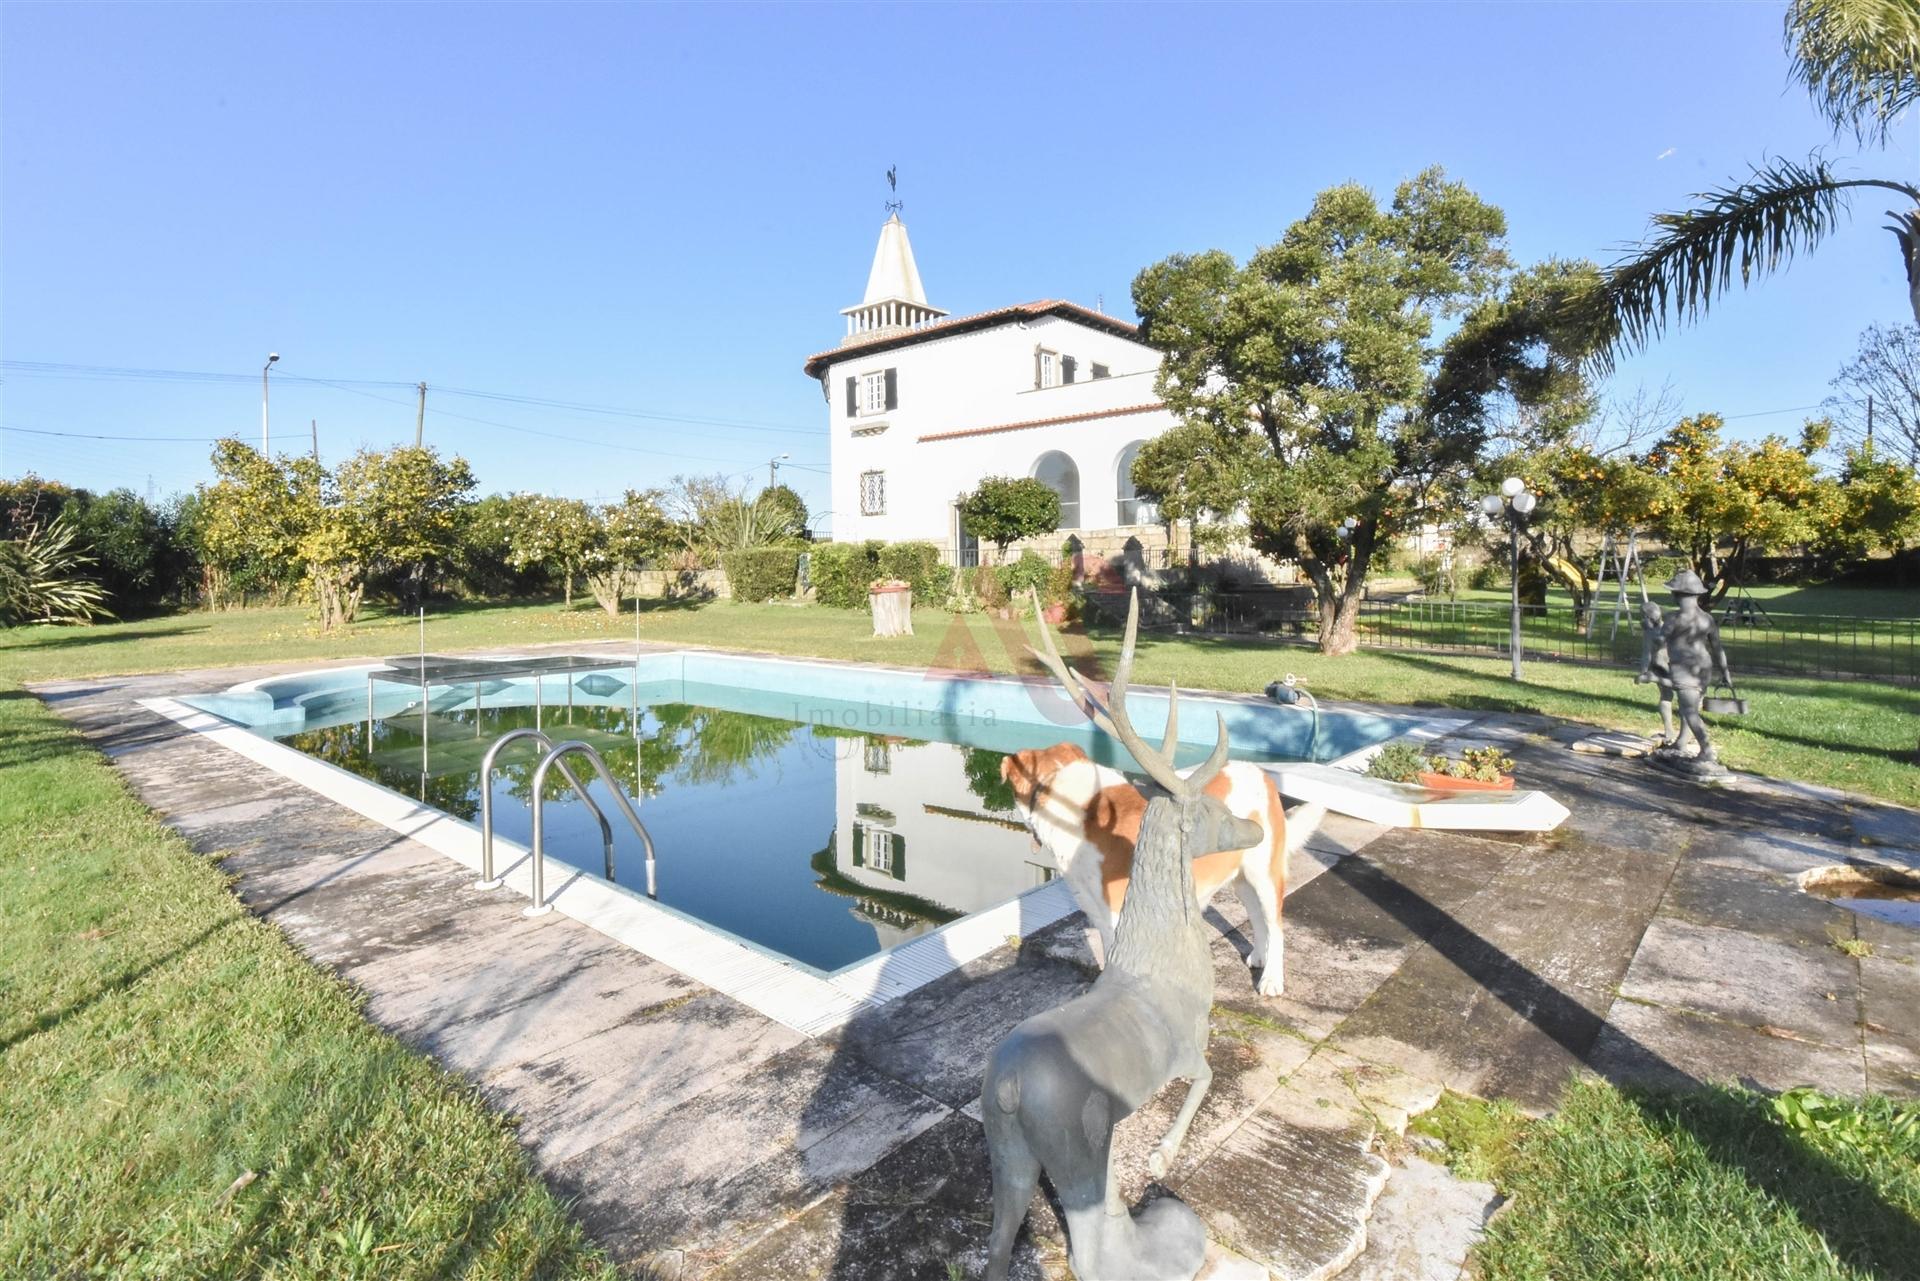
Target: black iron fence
{"x":1820,"y":645}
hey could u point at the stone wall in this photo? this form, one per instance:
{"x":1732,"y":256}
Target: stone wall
{"x":683,"y":584}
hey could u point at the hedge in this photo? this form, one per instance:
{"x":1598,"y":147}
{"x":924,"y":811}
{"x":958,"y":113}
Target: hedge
{"x":919,"y":564}
{"x":841,"y":572}
{"x":762,"y":573}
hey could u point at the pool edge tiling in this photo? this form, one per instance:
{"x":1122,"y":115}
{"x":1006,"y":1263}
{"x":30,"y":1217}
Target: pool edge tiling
{"x":787,"y":991}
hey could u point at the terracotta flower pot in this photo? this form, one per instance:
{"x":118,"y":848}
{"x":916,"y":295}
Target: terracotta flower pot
{"x":1448,"y":783}
{"x":1055,"y":614}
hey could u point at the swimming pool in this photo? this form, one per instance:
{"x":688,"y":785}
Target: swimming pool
{"x":819,"y":813}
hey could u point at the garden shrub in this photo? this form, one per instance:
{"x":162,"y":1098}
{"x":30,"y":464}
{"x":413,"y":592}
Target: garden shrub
{"x":1487,"y":576}
{"x":762,"y":573}
{"x":1397,"y":762}
{"x":987,"y":587}
{"x":1030,"y":571}
{"x":1434,"y":576}
{"x":842,"y":571}
{"x":918,"y":564}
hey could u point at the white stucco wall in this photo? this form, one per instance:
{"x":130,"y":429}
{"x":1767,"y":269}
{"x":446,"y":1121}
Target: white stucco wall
{"x":985,"y":379}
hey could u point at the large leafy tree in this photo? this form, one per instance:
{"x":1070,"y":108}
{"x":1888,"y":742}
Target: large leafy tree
{"x":1878,"y":506}
{"x":253,"y":518}
{"x":1354,"y":370}
{"x":1860,"y":60}
{"x":404,"y":507}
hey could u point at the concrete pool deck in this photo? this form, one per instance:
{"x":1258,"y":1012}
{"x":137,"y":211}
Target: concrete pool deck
{"x":1657,"y":936}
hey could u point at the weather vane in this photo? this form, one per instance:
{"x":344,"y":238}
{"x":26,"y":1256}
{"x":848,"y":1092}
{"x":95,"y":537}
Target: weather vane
{"x":893,"y":185}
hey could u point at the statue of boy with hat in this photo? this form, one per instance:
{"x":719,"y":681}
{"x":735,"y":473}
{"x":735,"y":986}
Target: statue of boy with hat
{"x":1684,"y":655}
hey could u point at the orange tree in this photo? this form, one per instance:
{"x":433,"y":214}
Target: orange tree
{"x":1717,"y":502}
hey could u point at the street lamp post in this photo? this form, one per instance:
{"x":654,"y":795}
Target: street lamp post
{"x":773,"y":467}
{"x":1513,"y":502}
{"x":265,"y":439}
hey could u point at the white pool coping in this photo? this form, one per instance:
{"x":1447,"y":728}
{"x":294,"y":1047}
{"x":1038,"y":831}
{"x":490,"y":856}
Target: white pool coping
{"x":793,"y":995}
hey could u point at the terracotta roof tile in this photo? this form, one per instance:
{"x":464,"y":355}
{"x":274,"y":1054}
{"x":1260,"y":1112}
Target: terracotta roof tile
{"x":978,"y":320}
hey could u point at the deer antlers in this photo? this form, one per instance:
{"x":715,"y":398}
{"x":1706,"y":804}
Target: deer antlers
{"x":1112,"y":715}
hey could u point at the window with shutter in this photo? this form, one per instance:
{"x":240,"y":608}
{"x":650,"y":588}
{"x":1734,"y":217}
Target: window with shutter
{"x":1046,"y":368}
{"x":1100,"y":370}
{"x":1067,"y":366}
{"x":874,"y":389}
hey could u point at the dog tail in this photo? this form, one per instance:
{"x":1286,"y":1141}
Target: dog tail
{"x":1302,"y":822}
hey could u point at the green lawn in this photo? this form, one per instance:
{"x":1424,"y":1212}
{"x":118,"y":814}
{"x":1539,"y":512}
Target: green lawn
{"x":1851,"y":734}
{"x":1776,"y":598}
{"x":1706,"y":1185}
{"x":187,"y":1096}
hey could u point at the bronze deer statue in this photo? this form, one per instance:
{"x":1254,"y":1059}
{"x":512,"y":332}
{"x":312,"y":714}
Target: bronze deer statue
{"x":1061,"y":1080}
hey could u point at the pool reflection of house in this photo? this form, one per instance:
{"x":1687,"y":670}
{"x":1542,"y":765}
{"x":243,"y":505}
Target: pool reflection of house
{"x":915,"y":845}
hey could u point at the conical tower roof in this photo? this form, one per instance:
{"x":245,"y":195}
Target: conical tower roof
{"x":894,"y":276}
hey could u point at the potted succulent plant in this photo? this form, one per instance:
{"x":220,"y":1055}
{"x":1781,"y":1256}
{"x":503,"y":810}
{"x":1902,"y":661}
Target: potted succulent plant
{"x":1478,"y":769}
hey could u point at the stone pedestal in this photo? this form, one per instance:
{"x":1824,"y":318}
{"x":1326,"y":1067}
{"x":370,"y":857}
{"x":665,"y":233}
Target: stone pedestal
{"x":892,"y":611}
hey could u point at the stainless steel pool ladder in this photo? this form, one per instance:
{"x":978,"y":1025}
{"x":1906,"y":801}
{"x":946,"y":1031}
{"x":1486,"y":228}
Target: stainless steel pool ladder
{"x":489,"y":881}
{"x":551,"y":760}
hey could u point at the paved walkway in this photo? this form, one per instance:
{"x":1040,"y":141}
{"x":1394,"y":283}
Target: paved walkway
{"x":1656,"y":937}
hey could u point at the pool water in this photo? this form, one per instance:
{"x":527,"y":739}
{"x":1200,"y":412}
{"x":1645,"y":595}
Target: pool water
{"x":823,"y":813}
{"x":822,"y":844}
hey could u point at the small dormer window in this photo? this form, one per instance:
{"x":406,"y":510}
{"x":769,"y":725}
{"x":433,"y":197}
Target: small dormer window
{"x":1100,"y":370}
{"x":1046,"y":368}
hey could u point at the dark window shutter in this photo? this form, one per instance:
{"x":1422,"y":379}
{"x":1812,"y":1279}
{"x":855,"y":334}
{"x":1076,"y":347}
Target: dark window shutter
{"x":893,"y":389}
{"x":899,"y":857}
{"x":1036,"y":368}
{"x":859,"y":845}
{"x":853,"y":397}
{"x":1066,"y":369}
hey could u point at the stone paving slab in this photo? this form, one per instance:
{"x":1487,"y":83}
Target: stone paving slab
{"x":1423,"y":1225}
{"x":1757,"y":903}
{"x":1655,"y":1045}
{"x":1746,"y":980}
{"x":730,"y":1164}
{"x":635,"y":1071}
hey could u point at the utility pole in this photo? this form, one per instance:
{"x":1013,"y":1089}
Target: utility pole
{"x":316,"y":439}
{"x":420,"y":418}
{"x":266,"y":441}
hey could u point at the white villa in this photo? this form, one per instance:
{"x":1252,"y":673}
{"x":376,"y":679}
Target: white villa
{"x":923,"y":405}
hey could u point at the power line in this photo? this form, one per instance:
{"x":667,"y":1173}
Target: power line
{"x":112,"y":373}
{"x":84,"y":435}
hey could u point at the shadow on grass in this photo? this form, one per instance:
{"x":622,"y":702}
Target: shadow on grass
{"x":78,"y":638}
{"x":50,"y":1019}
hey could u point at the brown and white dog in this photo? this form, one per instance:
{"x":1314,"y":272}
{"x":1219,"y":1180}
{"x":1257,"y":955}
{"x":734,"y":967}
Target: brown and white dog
{"x":1088,"y":816}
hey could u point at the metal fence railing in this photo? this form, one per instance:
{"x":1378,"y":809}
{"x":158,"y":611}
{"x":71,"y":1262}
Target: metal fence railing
{"x":1819,"y":645}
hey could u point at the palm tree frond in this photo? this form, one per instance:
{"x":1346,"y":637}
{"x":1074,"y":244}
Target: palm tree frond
{"x":1752,"y":228}
{"x":1860,"y":59}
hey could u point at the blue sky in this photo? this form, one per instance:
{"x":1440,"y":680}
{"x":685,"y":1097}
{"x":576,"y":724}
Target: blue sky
{"x":662,"y":209}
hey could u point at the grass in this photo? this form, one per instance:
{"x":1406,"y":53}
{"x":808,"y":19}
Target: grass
{"x":187,"y":1096}
{"x":1855,"y":735}
{"x":1627,"y":1185}
{"x":1775,"y":598}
